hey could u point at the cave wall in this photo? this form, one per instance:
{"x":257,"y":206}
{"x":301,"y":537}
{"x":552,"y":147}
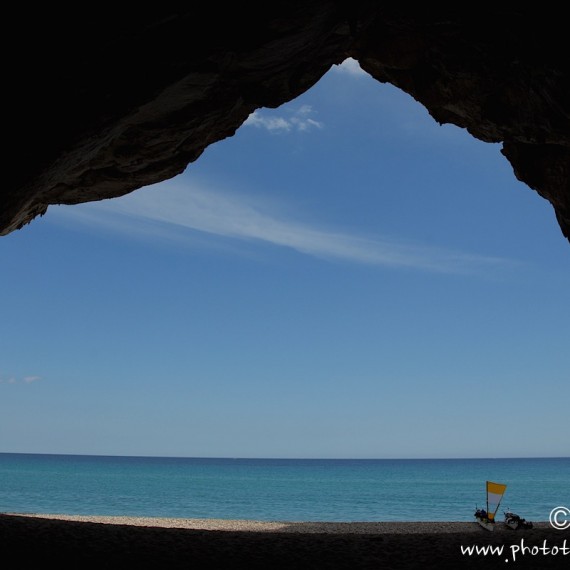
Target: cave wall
{"x":100,"y":103}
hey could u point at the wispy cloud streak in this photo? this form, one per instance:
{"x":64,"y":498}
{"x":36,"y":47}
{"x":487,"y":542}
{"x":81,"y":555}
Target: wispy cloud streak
{"x":171,"y":207}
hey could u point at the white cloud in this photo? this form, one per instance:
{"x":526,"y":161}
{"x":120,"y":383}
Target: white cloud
{"x":349,"y":66}
{"x":299,"y":120}
{"x":176,"y":210}
{"x":30,"y":379}
{"x":269,"y":123}
{"x":14,"y":380}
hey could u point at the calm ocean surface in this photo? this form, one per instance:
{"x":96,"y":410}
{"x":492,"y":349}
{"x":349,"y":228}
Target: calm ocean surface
{"x":279,"y":489}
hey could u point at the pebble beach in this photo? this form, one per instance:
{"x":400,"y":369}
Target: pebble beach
{"x":145,"y":542}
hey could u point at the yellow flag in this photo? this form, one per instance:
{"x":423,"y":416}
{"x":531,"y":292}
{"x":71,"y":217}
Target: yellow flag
{"x":495,"y":492}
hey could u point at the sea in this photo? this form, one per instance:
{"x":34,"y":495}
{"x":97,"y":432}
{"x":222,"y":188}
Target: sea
{"x":342,"y":490}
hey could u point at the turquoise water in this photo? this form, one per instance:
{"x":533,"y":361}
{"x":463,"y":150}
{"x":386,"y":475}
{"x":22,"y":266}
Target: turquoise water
{"x":279,"y":489}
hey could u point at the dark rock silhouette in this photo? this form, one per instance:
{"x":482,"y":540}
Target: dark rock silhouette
{"x":101,"y":102}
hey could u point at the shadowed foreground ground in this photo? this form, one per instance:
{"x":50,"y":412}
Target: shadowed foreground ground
{"x":44,"y":542}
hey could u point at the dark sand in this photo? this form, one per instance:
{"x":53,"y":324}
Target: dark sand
{"x":49,"y":541}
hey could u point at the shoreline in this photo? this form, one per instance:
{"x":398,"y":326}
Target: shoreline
{"x":74,"y":541}
{"x":310,"y":527}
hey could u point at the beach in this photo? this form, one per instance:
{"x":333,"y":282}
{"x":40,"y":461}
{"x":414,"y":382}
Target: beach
{"x":146,"y":542}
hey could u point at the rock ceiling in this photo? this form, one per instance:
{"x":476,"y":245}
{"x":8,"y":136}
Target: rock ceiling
{"x":100,"y":103}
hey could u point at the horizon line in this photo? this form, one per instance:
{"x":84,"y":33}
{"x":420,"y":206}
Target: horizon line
{"x":284,"y":458}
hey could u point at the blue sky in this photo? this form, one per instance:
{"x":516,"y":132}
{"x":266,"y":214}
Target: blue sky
{"x":343,"y":277}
